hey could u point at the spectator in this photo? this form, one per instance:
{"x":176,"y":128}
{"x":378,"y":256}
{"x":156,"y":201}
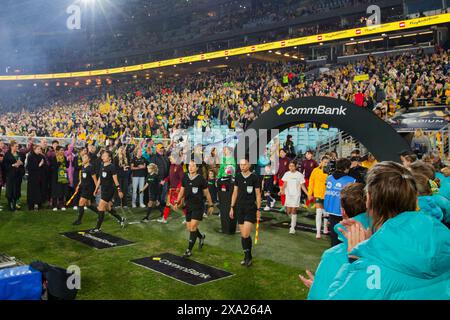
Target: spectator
{"x":138,"y":173}
{"x":417,"y":273}
{"x":332,"y":201}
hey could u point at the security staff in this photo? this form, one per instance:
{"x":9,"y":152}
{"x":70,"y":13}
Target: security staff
{"x":108,"y":182}
{"x":86,"y":188}
{"x":195,"y":188}
{"x":246,"y":206}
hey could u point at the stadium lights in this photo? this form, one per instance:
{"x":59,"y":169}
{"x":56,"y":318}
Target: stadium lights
{"x":377,"y":39}
{"x":278,"y":52}
{"x":286,"y":55}
{"x":426,"y":32}
{"x":395,"y":37}
{"x":410,"y":35}
{"x":295,"y":57}
{"x":363,"y":41}
{"x":350,"y":43}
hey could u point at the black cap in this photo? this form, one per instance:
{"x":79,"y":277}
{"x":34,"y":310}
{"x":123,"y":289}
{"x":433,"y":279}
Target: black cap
{"x":353,"y":159}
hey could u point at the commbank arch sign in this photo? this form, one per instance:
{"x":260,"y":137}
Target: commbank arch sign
{"x":375,"y":134}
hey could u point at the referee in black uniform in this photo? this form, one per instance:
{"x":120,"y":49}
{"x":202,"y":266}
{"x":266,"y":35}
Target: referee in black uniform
{"x":86,"y":188}
{"x":109,"y":183}
{"x":246,"y":206}
{"x":194,"y":187}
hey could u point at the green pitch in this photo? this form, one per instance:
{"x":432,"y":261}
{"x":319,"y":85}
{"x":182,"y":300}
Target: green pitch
{"x":108,"y":274}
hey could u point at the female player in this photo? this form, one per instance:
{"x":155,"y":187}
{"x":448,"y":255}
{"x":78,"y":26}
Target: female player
{"x":246,"y":206}
{"x":108,"y":182}
{"x":316,"y":189}
{"x":195,"y":188}
{"x":294,"y":183}
{"x":85,"y":188}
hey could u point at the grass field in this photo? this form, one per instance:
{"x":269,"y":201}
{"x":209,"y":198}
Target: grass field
{"x":108,"y":274}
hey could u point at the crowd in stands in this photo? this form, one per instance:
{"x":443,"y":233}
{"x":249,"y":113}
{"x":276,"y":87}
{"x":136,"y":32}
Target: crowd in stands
{"x":234,"y":96}
{"x":388,"y":215}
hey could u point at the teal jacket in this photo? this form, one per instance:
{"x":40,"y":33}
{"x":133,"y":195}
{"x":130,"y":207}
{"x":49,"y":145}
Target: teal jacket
{"x":331,"y":261}
{"x":428,"y":205}
{"x":407,"y":258}
{"x":444,"y":189}
{"x":443,"y":203}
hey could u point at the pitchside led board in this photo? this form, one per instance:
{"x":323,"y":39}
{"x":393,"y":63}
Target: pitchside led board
{"x":375,"y":134}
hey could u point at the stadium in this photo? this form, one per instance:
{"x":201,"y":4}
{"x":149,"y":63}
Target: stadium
{"x":224,"y":150}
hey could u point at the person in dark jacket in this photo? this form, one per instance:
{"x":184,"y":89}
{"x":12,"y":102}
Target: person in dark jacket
{"x":36,"y":167}
{"x":14,"y":169}
{"x":289,"y":147}
{"x":46,"y":177}
{"x":162,"y":162}
{"x":94,"y":160}
{"x":60,"y":180}
{"x":357,"y":171}
{"x":122,"y":163}
{"x":306,"y":168}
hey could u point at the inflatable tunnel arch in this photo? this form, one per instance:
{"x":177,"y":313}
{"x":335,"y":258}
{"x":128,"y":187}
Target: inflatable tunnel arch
{"x":375,"y":134}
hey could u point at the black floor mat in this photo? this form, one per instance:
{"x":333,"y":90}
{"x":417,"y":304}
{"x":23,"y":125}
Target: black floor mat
{"x":97,"y":240}
{"x":182,"y":269}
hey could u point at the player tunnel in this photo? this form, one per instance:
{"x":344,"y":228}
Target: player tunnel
{"x":375,"y":134}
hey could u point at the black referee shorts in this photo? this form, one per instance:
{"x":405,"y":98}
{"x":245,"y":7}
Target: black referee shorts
{"x":87,"y":194}
{"x":107,"y":195}
{"x":245,"y":213}
{"x":194,"y":214}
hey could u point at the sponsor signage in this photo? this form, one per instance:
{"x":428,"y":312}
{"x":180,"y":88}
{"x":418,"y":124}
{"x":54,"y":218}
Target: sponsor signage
{"x":182,"y":269}
{"x":431,"y":120}
{"x":360,"y":123}
{"x":97,"y":240}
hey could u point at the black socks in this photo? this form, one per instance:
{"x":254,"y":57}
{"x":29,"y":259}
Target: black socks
{"x":115,"y":215}
{"x":80,"y":213}
{"x":149,"y":210}
{"x":247,"y":247}
{"x":93,"y":208}
{"x":192,"y":239}
{"x":101,"y":217}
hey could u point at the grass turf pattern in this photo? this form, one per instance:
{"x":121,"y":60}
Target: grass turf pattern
{"x":108,"y":274}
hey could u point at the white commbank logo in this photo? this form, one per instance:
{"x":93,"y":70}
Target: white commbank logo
{"x":319,"y":110}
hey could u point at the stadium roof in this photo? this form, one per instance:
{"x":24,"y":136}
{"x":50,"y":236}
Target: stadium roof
{"x":314,"y":39}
